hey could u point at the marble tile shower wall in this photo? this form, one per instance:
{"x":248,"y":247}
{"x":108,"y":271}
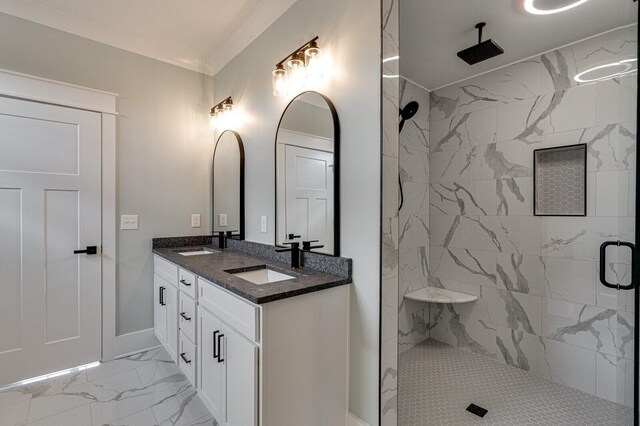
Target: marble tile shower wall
{"x":413,"y":316}
{"x":389,"y":229}
{"x":541,"y":307}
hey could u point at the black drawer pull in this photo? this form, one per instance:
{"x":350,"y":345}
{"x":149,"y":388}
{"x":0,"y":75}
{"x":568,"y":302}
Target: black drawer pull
{"x":185,"y":283}
{"x":186,"y":318}
{"x":215,"y":351}
{"x":220,"y":359}
{"x":162,"y":302}
{"x":184,"y":358}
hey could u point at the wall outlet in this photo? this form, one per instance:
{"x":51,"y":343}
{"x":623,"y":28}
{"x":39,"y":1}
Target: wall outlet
{"x":222,"y":219}
{"x":263,"y":224}
{"x":129,"y":221}
{"x":195,"y":221}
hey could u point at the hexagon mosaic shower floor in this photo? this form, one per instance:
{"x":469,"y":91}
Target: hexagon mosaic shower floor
{"x":436,"y":382}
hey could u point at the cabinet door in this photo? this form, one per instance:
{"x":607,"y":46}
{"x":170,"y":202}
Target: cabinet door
{"x":241,"y":361}
{"x":171,"y":300}
{"x":160,"y":288}
{"x":211,"y":370}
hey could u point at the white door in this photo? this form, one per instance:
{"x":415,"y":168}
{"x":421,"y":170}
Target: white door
{"x":50,"y":205}
{"x":211,"y":375}
{"x":309,"y":195}
{"x":241,"y":361}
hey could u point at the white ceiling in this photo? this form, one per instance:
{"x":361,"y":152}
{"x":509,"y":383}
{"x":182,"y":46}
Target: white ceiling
{"x":433,"y":31}
{"x":201,"y":35}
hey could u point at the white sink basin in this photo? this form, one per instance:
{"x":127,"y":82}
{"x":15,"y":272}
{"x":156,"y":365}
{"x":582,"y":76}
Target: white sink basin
{"x":263,"y":276}
{"x":196,"y":252}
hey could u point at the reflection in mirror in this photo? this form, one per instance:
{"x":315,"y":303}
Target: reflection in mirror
{"x":228,"y":185}
{"x":307,"y":174}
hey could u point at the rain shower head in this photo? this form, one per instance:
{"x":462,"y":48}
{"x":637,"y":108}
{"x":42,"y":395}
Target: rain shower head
{"x":482,"y":51}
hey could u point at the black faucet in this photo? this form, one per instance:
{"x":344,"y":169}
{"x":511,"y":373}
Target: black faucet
{"x":222,"y":238}
{"x":295,"y":253}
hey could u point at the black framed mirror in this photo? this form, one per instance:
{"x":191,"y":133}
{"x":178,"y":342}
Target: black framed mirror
{"x":228,"y":185}
{"x":307,"y":153}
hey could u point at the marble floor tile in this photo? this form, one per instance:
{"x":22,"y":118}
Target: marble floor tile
{"x":139,"y":390}
{"x":80,"y":416}
{"x":181,"y":410}
{"x":15,"y":414}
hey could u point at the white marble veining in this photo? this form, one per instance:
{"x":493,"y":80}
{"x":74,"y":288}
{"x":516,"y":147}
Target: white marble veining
{"x":540,"y":305}
{"x":141,"y":389}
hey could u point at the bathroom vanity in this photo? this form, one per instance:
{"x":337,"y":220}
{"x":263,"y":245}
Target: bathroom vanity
{"x":263,"y":343}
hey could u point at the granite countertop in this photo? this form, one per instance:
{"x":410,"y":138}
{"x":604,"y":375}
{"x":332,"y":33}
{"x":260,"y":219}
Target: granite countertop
{"x":212,"y":267}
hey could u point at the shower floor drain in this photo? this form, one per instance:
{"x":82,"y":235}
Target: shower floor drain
{"x":477,"y":410}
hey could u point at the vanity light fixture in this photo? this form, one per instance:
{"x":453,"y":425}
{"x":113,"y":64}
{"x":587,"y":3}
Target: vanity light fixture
{"x":607,"y":71}
{"x":541,"y":7}
{"x":303,"y":66}
{"x":220,"y":112}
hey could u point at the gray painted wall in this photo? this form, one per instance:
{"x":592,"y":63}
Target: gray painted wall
{"x":163,"y":143}
{"x":350,"y":34}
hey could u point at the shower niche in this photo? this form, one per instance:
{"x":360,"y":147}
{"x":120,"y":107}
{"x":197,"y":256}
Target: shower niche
{"x":560,"y":181}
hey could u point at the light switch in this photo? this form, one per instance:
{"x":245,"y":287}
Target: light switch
{"x":263,"y":224}
{"x":128,"y":221}
{"x":222,"y":219}
{"x":195,"y":221}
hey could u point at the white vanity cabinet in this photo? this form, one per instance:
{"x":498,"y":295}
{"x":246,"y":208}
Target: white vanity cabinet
{"x":229,"y":360}
{"x":282,"y":363}
{"x":165,"y":311}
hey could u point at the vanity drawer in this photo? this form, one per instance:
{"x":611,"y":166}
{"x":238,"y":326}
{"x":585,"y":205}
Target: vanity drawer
{"x":187,"y":282}
{"x":166,"y":270}
{"x":241,"y":315}
{"x":187,"y":358}
{"x":187,"y":316}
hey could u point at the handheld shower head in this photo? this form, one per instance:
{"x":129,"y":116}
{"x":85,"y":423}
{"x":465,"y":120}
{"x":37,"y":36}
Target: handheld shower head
{"x":408,"y":112}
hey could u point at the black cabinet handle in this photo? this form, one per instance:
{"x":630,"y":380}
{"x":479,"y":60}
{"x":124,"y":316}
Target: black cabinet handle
{"x":184,"y":358}
{"x":185,"y":283}
{"x":215,"y":351}
{"x":88,"y":250}
{"x":220,"y":359}
{"x":186,"y":318}
{"x":603,"y":264}
{"x":161,"y":296}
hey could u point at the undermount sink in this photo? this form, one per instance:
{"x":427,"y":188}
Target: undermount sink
{"x":262,"y":275}
{"x":196,"y":251}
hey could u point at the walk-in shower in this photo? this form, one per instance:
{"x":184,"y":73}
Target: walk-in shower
{"x":516,"y":303}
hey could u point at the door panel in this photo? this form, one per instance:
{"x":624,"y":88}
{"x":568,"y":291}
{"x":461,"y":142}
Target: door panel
{"x":171,"y":300}
{"x":241,"y":359}
{"x":309,"y":195}
{"x":62,"y":281}
{"x":211,"y":374}
{"x":160,"y":289}
{"x":10,"y":265}
{"x":50,"y":169}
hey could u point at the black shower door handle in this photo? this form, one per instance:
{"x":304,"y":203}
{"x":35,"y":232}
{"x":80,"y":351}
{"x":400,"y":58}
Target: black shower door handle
{"x":603,"y":264}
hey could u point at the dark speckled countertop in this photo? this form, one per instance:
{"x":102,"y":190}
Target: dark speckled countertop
{"x":212,"y":267}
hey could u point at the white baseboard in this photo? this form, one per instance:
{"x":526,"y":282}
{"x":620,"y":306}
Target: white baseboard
{"x":353,"y":420}
{"x":135,"y":342}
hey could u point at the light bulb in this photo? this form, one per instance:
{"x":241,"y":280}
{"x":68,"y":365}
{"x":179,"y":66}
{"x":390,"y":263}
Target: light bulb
{"x":314,"y":63}
{"x":297,"y":74}
{"x":279,"y":82}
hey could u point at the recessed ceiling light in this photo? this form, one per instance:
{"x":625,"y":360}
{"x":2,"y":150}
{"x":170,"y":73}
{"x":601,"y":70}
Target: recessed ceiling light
{"x":607,"y":71}
{"x":547,"y":7}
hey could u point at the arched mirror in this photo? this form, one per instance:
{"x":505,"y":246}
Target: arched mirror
{"x":307,"y":174}
{"x":228,"y":185}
